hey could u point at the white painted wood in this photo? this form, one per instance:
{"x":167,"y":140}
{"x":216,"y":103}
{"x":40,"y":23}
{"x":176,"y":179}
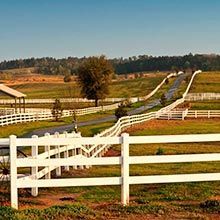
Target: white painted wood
{"x":125,"y":169}
{"x":183,"y":158}
{"x":47,"y":151}
{"x":66,"y":152}
{"x":58,"y":169}
{"x":74,"y":160}
{"x":50,"y":164}
{"x":13,"y":172}
{"x":175,"y":178}
{"x":34,"y":170}
{"x":68,"y":141}
{"x":4,"y":142}
{"x":202,"y":96}
{"x":69,"y":182}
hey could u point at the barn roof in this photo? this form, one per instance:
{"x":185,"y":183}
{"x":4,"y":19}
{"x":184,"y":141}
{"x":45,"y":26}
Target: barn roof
{"x":11,"y":92}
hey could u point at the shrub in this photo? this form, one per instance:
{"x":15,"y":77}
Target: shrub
{"x":7,"y":213}
{"x":160,"y":151}
{"x":163,"y":99}
{"x":57,"y":110}
{"x":67,"y":78}
{"x":120,"y":112}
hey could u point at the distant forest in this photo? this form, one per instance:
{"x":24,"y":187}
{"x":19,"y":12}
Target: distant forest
{"x":141,"y":63}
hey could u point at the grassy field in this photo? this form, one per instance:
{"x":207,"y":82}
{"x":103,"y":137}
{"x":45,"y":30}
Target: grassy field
{"x":205,"y":105}
{"x":206,"y":82}
{"x":162,"y":201}
{"x":126,"y":88}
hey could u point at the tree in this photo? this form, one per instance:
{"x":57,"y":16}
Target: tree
{"x":163,"y":99}
{"x":67,"y":78}
{"x":94,"y":76}
{"x":57,"y":110}
{"x":120,"y":112}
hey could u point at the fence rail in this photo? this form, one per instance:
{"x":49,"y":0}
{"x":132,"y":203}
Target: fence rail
{"x":182,"y":114}
{"x":60,"y":155}
{"x":202,"y":96}
{"x":203,"y":114}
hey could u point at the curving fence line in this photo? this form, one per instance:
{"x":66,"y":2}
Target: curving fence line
{"x":67,"y":100}
{"x":8,"y":116}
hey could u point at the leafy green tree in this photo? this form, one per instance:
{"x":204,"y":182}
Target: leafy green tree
{"x":94,"y":76}
{"x":57,"y":110}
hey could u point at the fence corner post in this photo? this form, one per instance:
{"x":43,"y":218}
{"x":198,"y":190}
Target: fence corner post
{"x":125,"y":169}
{"x":13,"y":172}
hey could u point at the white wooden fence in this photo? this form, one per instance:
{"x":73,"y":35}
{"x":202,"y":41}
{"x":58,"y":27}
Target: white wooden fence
{"x":159,"y":86}
{"x":177,"y":114}
{"x":202,"y":96}
{"x":203,"y":114}
{"x":7,"y":111}
{"x":190,"y":83}
{"x":58,"y":153}
{"x":46,"y":114}
{"x":83,"y":100}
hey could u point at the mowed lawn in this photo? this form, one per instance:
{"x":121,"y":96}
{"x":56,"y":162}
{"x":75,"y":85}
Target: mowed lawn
{"x":206,"y":82}
{"x":126,"y":88}
{"x":149,"y":201}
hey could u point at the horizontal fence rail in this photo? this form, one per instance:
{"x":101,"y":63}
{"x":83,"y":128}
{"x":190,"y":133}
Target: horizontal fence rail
{"x":202,"y":96}
{"x":59,"y":149}
{"x":203,"y":114}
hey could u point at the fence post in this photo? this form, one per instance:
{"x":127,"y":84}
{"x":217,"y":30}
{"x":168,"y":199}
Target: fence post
{"x":66,"y":153}
{"x":125,"y":169}
{"x":74,"y":152}
{"x":47,"y":149}
{"x":209,"y":114}
{"x":34,"y":170}
{"x":58,"y":169}
{"x":13,"y":172}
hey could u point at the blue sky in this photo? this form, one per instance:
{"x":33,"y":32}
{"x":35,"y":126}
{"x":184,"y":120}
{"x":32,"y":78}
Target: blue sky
{"x":62,"y":28}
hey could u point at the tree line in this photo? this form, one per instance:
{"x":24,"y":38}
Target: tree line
{"x":69,"y":66}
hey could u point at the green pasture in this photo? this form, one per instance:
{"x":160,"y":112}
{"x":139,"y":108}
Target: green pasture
{"x":205,"y":105}
{"x":206,"y":82}
{"x":125,"y":88}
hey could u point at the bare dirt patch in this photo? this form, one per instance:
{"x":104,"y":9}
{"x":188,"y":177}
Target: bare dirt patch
{"x":45,"y":200}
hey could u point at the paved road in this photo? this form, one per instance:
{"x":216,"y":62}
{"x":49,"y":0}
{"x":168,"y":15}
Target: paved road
{"x":169,"y":95}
